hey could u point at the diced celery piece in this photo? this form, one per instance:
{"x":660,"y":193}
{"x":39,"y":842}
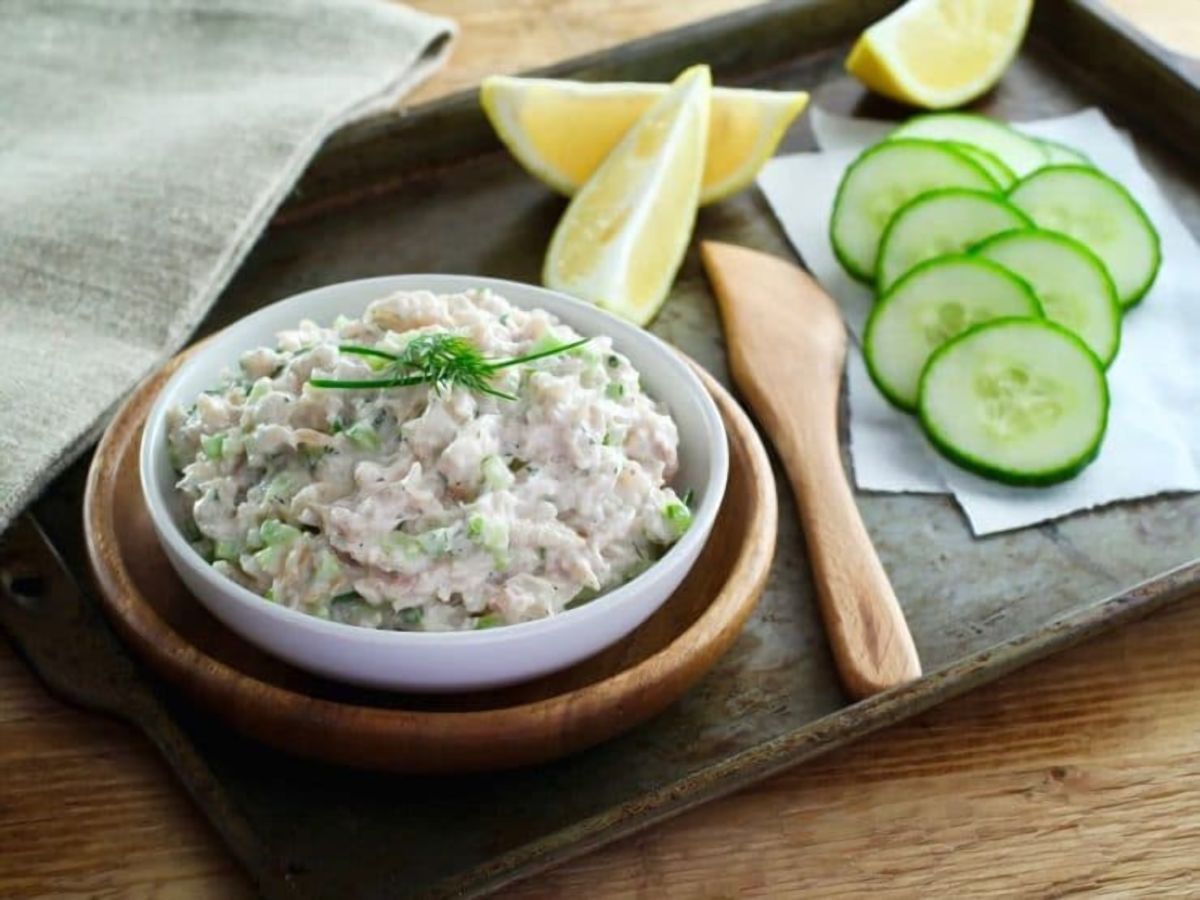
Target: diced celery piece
{"x":281,"y":488}
{"x":227,"y":550}
{"x":275,"y":533}
{"x":361,"y":434}
{"x":328,"y":566}
{"x":491,"y":620}
{"x":268,"y":557}
{"x":614,"y":391}
{"x":261,"y":388}
{"x":213,"y":445}
{"x":407,"y":544}
{"x":679,"y":517}
{"x":489,"y":533}
{"x":376,"y":363}
{"x":496,"y":474}
{"x":437,"y":541}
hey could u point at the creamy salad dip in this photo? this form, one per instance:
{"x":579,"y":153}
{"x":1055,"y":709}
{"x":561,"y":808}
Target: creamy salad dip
{"x":440,"y":505}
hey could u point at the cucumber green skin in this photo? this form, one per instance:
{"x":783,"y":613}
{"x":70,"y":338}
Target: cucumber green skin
{"x":868,"y":278}
{"x":1138,"y":295}
{"x":881,"y":303}
{"x":1010,"y":177}
{"x":966,"y":115}
{"x":1051,"y":146}
{"x":982,"y":467}
{"x":1083,"y":250}
{"x":939,"y":192}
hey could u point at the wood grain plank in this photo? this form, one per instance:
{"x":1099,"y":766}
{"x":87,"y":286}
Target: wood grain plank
{"x":1079,"y":774}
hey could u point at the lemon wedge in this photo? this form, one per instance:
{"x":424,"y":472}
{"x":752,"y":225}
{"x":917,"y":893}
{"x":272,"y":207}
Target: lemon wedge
{"x":623,"y":237}
{"x":940,"y":53}
{"x":560,"y":131}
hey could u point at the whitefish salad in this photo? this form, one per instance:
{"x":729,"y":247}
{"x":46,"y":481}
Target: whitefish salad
{"x":444,"y":462}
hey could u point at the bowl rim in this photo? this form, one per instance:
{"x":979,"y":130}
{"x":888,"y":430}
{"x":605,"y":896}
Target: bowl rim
{"x":628,"y":593}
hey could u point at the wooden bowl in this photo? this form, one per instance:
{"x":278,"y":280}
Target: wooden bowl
{"x":541,"y":720}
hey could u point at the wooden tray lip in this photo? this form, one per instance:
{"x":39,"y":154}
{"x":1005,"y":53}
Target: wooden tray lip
{"x":170,"y":655}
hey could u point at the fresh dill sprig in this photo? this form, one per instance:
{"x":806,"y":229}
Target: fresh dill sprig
{"x":442,"y":360}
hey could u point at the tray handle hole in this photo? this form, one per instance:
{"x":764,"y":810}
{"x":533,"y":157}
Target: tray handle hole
{"x":26,"y":590}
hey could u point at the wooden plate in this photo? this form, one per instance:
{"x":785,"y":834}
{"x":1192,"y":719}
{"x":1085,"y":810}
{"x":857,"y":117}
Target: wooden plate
{"x":541,"y":720}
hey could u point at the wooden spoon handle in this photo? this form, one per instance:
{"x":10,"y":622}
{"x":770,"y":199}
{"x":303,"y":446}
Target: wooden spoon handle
{"x":787,"y":346}
{"x":867,"y":631}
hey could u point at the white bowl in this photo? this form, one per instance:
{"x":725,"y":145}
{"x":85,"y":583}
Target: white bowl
{"x":441,"y":661}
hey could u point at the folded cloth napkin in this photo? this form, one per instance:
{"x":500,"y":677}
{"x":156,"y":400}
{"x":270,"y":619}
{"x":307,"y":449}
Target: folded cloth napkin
{"x":1153,"y":440}
{"x":144,"y":145}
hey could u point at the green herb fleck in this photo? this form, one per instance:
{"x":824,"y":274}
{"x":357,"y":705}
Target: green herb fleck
{"x":491,"y":620}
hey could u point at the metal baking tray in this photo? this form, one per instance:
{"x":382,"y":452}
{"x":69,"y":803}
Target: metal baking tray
{"x":432,"y":190}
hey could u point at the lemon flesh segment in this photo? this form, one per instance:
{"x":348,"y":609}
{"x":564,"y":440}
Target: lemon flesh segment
{"x":623,"y":237}
{"x":940,"y":53}
{"x":561,"y":131}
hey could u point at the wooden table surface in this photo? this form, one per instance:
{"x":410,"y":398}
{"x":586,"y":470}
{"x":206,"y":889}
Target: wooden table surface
{"x":1081,"y":773}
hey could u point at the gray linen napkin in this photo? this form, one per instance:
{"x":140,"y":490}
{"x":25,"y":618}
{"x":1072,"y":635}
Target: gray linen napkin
{"x":144,"y":145}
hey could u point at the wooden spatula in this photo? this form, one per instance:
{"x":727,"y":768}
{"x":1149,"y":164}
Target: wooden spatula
{"x":787,"y":345}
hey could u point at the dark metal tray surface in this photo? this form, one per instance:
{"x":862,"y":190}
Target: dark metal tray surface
{"x":432,"y":191}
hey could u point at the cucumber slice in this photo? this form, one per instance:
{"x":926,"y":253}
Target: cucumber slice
{"x":1070,"y":282}
{"x":948,"y":220}
{"x":990,"y":163}
{"x":1092,"y":208}
{"x":1062,"y":155}
{"x":934,"y":302}
{"x":881,"y":180}
{"x":1017,"y":400}
{"x":1020,"y":153}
